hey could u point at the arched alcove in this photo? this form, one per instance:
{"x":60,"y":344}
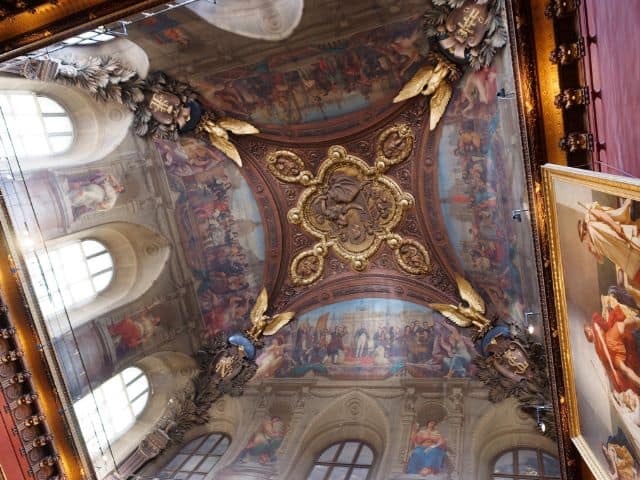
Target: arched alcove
{"x":139,"y":256}
{"x":354,"y":416}
{"x":97,"y":128}
{"x":167,"y":373}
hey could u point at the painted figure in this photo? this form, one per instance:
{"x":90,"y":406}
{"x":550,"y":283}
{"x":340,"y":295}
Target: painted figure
{"x":612,"y":335}
{"x":133,"y":331}
{"x":622,"y":463}
{"x":610,"y":233}
{"x":95,"y":193}
{"x":429,"y":450}
{"x":271,"y":359}
{"x":265,"y":442}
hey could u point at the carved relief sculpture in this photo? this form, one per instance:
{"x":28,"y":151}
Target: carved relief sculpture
{"x":350,"y":207}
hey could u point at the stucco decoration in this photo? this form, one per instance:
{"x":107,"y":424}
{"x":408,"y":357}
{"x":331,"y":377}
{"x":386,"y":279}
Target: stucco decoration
{"x":264,"y":19}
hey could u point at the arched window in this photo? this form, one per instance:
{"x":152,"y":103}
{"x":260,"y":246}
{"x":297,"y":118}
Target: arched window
{"x":70,"y":275}
{"x":111,"y":409}
{"x":90,"y":37}
{"x":351,"y":460}
{"x":525,"y":463}
{"x":37,"y":124}
{"x":197,"y":458}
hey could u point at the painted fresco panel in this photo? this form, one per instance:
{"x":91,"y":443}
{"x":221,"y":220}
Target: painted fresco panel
{"x":480,"y":183}
{"x":322,"y":82}
{"x":220,"y":230}
{"x":368,"y":338}
{"x":598,"y":250}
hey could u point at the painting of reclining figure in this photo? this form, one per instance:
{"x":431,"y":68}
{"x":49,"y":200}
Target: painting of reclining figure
{"x":597,"y":245}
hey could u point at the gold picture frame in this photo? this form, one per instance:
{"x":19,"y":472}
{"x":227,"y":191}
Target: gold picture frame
{"x":588,"y":347}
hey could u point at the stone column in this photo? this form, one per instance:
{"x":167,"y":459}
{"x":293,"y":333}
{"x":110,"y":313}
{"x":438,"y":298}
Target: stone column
{"x":152,"y":446}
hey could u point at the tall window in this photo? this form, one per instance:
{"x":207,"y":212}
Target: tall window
{"x":197,"y":458}
{"x":524,"y":464}
{"x":37,"y":124}
{"x":70,"y":275}
{"x":343,"y":461}
{"x":111,"y":409}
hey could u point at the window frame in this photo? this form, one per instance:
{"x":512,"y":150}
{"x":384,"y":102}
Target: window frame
{"x":40,"y":116}
{"x":106,"y":430}
{"x":52,"y":287}
{"x":165,"y":474}
{"x":350,"y":466}
{"x":522,"y":476}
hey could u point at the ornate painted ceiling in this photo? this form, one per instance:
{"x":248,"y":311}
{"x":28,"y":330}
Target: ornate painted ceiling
{"x":348,"y":208}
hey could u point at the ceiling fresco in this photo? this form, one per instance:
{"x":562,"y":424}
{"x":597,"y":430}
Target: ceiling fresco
{"x":347,"y":208}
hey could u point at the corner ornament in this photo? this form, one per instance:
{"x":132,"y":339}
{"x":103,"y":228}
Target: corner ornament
{"x":350,"y":207}
{"x":162,"y":106}
{"x":462,"y":33}
{"x":225,"y":365}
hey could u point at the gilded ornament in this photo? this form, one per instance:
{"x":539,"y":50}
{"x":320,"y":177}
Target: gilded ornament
{"x":351,"y":207}
{"x":577,"y":142}
{"x":469,"y":312}
{"x":567,"y":53}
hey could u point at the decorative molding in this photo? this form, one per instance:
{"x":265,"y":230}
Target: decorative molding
{"x":23,"y":404}
{"x":576,"y":142}
{"x":572,"y":98}
{"x":561,"y":8}
{"x":567,"y":53}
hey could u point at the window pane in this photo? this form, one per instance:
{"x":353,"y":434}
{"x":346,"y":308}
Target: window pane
{"x":339,"y":473}
{"x":197,"y":476}
{"x":348,"y":452}
{"x":81,"y":291}
{"x":551,"y":465}
{"x":176,"y":462}
{"x":91,"y":247}
{"x":99,"y":262}
{"x":318,"y":472}
{"x":359,"y":474}
{"x":192,"y":463}
{"x":504,"y":464}
{"x":49,"y":106}
{"x":192,"y":445}
{"x":129,"y":374}
{"x":208,"y":444}
{"x":221,"y":447}
{"x":208,"y":464}
{"x":102,"y":281}
{"x":528,"y":462}
{"x":136,"y":388}
{"x":329,"y":454}
{"x":34,"y":123}
{"x":57,"y":124}
{"x":365,"y":457}
{"x":138,"y":405}
{"x":60,"y":143}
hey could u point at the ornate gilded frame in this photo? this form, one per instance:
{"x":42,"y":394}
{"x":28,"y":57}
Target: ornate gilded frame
{"x":597,"y":182}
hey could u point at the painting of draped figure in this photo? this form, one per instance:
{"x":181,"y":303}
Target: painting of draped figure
{"x":428,"y":457}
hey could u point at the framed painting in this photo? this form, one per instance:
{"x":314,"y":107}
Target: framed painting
{"x":594,"y":222}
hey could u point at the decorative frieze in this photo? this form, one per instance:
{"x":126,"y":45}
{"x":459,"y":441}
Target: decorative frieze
{"x":571,"y":98}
